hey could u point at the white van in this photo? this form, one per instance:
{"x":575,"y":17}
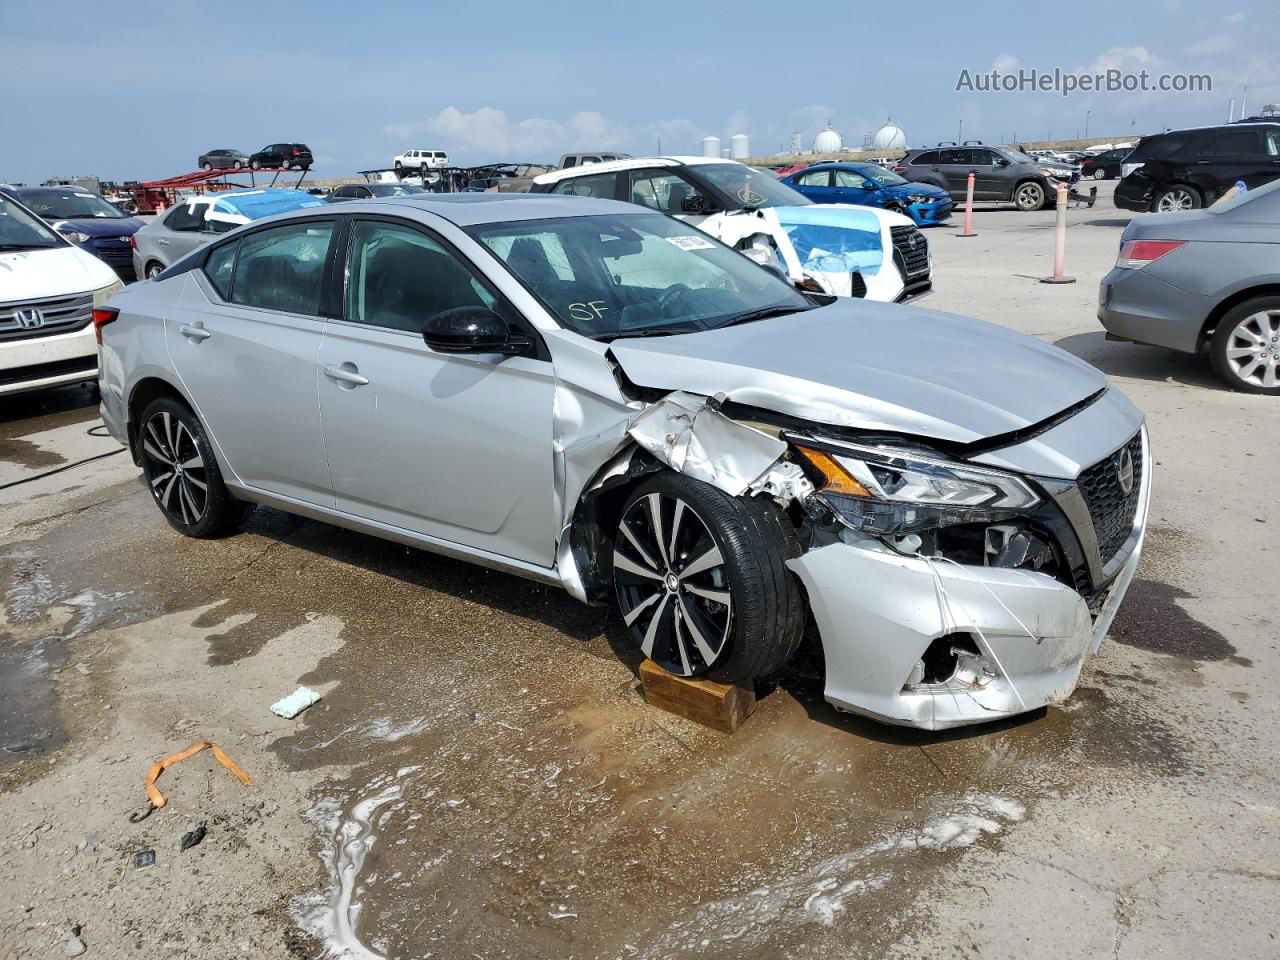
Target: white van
{"x":49,"y":289}
{"x":420,"y":160}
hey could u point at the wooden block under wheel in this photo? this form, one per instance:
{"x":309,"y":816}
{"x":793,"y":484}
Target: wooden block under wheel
{"x":721,"y":706}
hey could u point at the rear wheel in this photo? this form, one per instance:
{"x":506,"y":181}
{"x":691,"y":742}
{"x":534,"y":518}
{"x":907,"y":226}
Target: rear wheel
{"x":702,"y":583}
{"x":207,"y":166}
{"x":255,"y":164}
{"x":154,"y":270}
{"x":182,"y":474}
{"x":238,"y":165}
{"x":1246,"y":346}
{"x":1177,"y":197}
{"x":1028,"y":196}
{"x":1099,"y":173}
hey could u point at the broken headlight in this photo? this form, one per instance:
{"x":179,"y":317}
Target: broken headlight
{"x":887,"y":491}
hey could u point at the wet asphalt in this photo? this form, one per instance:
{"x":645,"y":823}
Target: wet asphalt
{"x":483,"y":777}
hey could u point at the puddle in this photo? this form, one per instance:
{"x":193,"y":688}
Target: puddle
{"x":27,"y":454}
{"x":1152,"y":619}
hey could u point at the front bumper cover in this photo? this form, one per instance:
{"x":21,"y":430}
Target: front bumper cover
{"x":878,"y":612}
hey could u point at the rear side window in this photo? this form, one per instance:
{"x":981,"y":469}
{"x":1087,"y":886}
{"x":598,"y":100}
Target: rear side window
{"x":283,"y":268}
{"x":1239,"y":143}
{"x":929,"y":156}
{"x":601,"y":185}
{"x":815,"y":178}
{"x":220,"y":266}
{"x":399,"y":278}
{"x":570,"y":162}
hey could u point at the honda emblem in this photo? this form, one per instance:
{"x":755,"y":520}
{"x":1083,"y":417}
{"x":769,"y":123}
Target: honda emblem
{"x":29,"y":319}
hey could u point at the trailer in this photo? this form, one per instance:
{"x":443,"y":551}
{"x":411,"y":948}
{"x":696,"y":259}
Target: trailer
{"x":152,"y":196}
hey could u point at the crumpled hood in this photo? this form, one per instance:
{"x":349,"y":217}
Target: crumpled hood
{"x":874,"y":366}
{"x":904,"y":190}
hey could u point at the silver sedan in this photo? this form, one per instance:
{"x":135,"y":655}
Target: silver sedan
{"x":605,"y":399}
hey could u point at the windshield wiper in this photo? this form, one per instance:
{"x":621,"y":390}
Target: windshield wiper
{"x":762,"y":314}
{"x":646,"y":332}
{"x":11,"y":247}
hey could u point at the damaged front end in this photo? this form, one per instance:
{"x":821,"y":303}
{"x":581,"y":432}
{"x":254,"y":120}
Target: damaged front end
{"x":948,"y":593}
{"x":945,"y":592}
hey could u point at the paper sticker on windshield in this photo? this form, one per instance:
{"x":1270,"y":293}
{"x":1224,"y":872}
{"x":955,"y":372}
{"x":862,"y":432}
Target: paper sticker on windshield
{"x":691,"y":243}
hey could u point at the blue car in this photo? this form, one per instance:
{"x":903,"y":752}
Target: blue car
{"x":871,"y":185}
{"x":107,"y":229}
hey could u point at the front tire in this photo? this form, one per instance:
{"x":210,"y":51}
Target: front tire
{"x":207,"y":166}
{"x":238,"y":165}
{"x":1246,"y":346}
{"x":182,"y":473}
{"x":1028,"y":196}
{"x":1099,"y":173}
{"x":702,"y":583}
{"x":255,"y":164}
{"x":1177,"y":197}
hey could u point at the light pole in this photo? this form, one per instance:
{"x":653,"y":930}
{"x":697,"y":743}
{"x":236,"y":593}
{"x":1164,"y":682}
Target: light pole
{"x":1086,"y":124}
{"x":960,"y":133}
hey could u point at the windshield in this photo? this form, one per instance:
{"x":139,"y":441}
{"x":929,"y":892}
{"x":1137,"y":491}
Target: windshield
{"x":886,"y":178}
{"x":70,"y":204}
{"x":394,"y":190}
{"x":748,"y":188}
{"x":19,"y":230}
{"x":635,"y":274}
{"x":1017,"y":156}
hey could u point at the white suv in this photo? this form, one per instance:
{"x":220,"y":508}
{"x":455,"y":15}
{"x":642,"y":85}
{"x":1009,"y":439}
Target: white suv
{"x":421,"y":160}
{"x":49,"y":290}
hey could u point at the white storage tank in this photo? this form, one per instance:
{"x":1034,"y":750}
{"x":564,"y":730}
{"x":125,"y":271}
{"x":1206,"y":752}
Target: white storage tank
{"x":711,"y":146}
{"x":889,"y":137}
{"x":827,"y":141}
{"x":739,"y":146}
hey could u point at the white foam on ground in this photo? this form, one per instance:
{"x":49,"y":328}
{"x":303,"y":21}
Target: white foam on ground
{"x":332,"y":916}
{"x":819,"y":893}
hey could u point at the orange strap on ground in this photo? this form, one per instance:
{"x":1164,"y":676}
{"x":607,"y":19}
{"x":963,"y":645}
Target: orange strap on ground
{"x":157,"y":798}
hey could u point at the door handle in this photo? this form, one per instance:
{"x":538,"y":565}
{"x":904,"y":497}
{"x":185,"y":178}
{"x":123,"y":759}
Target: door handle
{"x":194,"y":331}
{"x":347,"y":373}
{"x":161,"y":241}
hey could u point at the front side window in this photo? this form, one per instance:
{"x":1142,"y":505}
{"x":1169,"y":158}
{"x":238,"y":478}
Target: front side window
{"x":600,"y":185}
{"x":282,"y":268}
{"x":1238,"y":143}
{"x":849,"y":179}
{"x":19,"y":230}
{"x":662,"y":190}
{"x":220,"y":266}
{"x":399,"y":278}
{"x":618,"y":276}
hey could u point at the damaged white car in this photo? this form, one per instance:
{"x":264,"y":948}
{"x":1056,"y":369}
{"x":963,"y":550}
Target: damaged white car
{"x":602,"y":398}
{"x":837,"y":248}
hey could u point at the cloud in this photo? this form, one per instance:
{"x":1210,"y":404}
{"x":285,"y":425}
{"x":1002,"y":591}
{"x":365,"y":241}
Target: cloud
{"x":488,"y":133}
{"x":1122,"y":58}
{"x":1236,"y":17}
{"x":1213,"y":44}
{"x":1005,"y":63}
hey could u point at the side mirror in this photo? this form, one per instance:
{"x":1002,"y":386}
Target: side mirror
{"x":471,"y":330}
{"x":868,"y":185}
{"x":999,"y":162}
{"x":693,"y":204}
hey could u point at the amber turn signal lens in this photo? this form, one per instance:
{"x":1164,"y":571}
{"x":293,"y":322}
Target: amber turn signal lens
{"x":839,"y":480}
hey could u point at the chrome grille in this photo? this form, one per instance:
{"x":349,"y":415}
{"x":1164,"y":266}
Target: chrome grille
{"x":1111,"y":509}
{"x":57,"y":315}
{"x":910,"y":251}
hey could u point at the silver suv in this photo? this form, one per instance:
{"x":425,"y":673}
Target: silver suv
{"x":600,"y":397}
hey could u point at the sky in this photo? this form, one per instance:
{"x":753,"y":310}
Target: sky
{"x":137,"y":90}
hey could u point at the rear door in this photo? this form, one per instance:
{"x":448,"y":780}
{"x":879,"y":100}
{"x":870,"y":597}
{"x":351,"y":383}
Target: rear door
{"x":184,"y":231}
{"x":244,"y":342}
{"x":457,"y":447}
{"x":954,"y":163}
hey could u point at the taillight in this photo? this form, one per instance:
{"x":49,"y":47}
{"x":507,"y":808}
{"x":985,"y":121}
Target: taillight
{"x":900,"y":168}
{"x":1135,"y":254}
{"x":101,"y":317}
{"x":297,"y":152}
{"x":133,"y":240}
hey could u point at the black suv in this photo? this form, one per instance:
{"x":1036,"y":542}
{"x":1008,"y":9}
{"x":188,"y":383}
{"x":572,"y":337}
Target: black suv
{"x":1000,"y":173}
{"x":1188,"y":169}
{"x":283,"y":155}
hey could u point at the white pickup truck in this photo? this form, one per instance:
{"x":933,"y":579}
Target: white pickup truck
{"x":421,"y":160}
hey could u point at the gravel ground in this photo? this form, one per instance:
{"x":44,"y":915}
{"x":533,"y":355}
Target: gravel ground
{"x":483,"y":779}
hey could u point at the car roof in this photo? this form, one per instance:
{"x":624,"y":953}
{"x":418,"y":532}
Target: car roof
{"x":473,"y":209}
{"x":631,"y":163}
